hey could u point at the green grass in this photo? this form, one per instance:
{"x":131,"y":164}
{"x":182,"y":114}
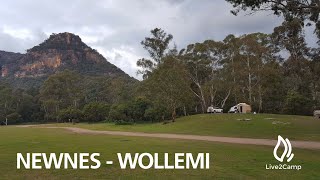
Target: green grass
{"x":228,"y":161}
{"x":260,"y":126}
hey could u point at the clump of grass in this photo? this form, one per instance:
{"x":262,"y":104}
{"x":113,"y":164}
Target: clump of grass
{"x":121,"y":122}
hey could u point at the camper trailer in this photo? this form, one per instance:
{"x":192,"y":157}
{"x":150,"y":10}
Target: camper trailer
{"x":240,"y":108}
{"x":316,"y":114}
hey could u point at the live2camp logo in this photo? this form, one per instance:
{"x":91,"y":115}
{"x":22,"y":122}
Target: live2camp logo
{"x":287,"y":153}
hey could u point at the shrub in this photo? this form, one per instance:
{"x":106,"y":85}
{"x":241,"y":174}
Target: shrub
{"x":14,"y":118}
{"x":119,"y":112}
{"x":121,"y":122}
{"x":96,"y":111}
{"x":156,"y":114}
{"x":137,"y":108}
{"x":70,"y":115}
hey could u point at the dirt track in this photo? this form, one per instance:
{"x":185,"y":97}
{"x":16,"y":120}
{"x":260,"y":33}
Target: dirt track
{"x":233,"y":140}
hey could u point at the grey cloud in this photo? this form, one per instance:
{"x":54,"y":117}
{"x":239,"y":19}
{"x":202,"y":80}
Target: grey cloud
{"x":17,"y":44}
{"x":9,"y":43}
{"x":116,"y":27}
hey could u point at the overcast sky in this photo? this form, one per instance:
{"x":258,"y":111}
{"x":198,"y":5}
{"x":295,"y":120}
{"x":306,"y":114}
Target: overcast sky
{"x":116,"y":27}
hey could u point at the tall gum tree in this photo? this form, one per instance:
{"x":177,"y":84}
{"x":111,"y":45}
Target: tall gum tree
{"x":157,"y":46}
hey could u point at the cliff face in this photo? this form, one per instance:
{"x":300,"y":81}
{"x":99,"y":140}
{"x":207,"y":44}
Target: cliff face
{"x":41,"y":66}
{"x":57,"y":53}
{"x":4,"y":71}
{"x":8,"y":60}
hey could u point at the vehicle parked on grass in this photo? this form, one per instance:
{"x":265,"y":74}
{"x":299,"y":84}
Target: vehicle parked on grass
{"x":234,"y":109}
{"x":212,"y":109}
{"x":316,"y":114}
{"x":240,"y":108}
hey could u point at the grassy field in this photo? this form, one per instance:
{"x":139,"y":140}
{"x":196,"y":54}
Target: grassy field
{"x":260,"y":126}
{"x":227,"y":160}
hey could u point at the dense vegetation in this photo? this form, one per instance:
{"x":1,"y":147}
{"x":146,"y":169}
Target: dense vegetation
{"x":65,"y":97}
{"x":275,"y":73}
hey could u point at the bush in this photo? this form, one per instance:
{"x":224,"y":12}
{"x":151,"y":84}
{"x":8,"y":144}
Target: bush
{"x":14,"y":118}
{"x":297,"y":104}
{"x":119,"y":112}
{"x":2,"y":119}
{"x":121,"y":122}
{"x":96,"y":111}
{"x":156,"y":114}
{"x":70,"y":115}
{"x":137,"y":109}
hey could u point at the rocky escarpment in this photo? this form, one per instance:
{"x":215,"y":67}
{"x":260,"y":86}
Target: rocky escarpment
{"x":57,"y":53}
{"x":8,"y":60}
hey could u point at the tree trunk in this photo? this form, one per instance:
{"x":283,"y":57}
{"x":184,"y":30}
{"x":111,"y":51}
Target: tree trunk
{"x":212,"y":94}
{"x":75,"y":103}
{"x":201,"y":98}
{"x":45,"y":113}
{"x":204,"y":104}
{"x":234,"y":79}
{"x":57,"y":110}
{"x":225,"y":99}
{"x":260,"y":99}
{"x":249,"y":81}
{"x":5,"y":111}
{"x":184,"y":111}
{"x":174,"y":114}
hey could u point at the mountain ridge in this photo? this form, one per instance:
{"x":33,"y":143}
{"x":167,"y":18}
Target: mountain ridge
{"x":62,"y":51}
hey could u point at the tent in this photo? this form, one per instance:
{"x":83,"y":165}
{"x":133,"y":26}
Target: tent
{"x":244,"y":108}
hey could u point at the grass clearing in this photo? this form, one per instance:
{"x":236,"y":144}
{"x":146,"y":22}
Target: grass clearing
{"x":227,"y":160}
{"x":267,"y":126}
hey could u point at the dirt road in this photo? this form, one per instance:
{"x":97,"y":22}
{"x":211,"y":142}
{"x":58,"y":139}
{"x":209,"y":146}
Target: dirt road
{"x":233,"y":140}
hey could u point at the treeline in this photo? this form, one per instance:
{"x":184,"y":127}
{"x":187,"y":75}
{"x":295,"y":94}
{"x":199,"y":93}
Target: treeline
{"x":72,"y":97}
{"x":274,"y":73}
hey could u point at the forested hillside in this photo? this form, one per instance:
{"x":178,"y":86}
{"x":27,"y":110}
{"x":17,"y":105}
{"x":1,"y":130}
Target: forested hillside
{"x":58,"y":78}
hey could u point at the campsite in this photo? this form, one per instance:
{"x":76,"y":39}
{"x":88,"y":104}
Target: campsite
{"x":166,"y":89}
{"x":228,"y":160}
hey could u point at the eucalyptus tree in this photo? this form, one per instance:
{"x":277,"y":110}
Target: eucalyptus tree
{"x":60,"y":91}
{"x":306,"y":11}
{"x":196,"y":58}
{"x":297,"y":71}
{"x":158,"y":47}
{"x":169,"y":85}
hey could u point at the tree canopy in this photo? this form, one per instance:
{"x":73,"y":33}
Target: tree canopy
{"x":306,"y":11}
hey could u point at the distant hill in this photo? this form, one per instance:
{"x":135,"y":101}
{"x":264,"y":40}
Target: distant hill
{"x":59,"y":52}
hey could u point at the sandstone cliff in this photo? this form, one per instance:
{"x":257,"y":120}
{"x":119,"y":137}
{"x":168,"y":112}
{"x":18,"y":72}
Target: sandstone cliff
{"x":57,"y":53}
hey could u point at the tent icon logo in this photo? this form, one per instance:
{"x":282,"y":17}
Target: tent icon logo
{"x":287,"y":150}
